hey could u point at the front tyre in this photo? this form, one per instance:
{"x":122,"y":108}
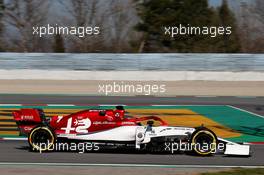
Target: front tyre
{"x":41,"y":138}
{"x":204,"y":142}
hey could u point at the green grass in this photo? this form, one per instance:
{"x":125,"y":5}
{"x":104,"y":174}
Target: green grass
{"x":239,"y":171}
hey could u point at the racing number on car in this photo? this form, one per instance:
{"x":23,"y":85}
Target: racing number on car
{"x":80,"y":126}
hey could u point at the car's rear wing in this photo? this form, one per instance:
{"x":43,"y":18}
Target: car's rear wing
{"x":27,"y":119}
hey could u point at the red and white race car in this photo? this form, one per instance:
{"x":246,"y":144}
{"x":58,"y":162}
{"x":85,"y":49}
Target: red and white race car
{"x":112,"y":126}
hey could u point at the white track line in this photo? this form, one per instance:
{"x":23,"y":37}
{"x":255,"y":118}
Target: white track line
{"x":10,"y":104}
{"x":132,"y":165}
{"x":60,"y":105}
{"x":243,"y":110}
{"x":14,"y":138}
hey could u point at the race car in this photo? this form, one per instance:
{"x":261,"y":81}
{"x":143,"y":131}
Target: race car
{"x":114,"y":127}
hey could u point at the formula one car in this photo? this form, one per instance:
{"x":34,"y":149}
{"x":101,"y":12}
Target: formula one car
{"x":114,"y":127}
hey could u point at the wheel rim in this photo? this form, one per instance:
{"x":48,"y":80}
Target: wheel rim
{"x":41,"y":139}
{"x":205,"y":142}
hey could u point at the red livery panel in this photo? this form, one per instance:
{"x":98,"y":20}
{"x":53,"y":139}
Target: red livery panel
{"x":82,"y":122}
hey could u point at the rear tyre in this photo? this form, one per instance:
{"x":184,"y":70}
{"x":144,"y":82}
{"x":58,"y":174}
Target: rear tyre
{"x":41,"y":138}
{"x":204,"y":142}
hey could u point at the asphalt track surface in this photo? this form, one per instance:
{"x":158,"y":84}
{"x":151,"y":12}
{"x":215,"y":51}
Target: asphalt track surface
{"x":17,"y":151}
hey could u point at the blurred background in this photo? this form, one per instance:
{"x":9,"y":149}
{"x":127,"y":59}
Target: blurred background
{"x":132,"y":26}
